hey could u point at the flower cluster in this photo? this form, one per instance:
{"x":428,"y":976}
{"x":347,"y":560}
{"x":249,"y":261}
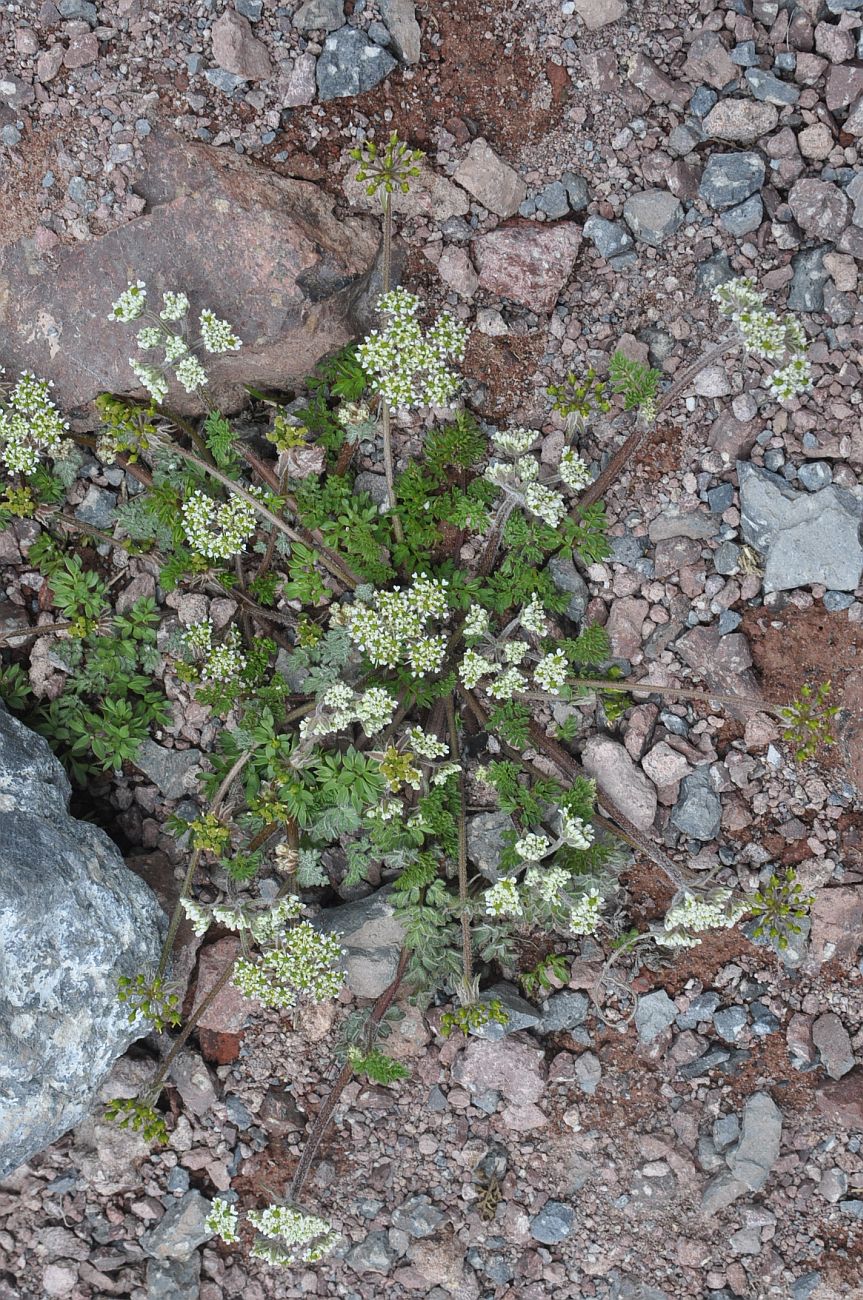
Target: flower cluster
{"x":586,"y":914}
{"x":767,"y":335}
{"x":223,"y":661}
{"x":30,"y":426}
{"x":550,"y":672}
{"x":689,"y":916}
{"x":502,"y":898}
{"x":547,"y":882}
{"x":217,"y":529}
{"x":394,"y":631}
{"x":294,"y":1236}
{"x":340,"y":706}
{"x":575,"y":832}
{"x":263,"y":926}
{"x":222,"y":1220}
{"x":500,"y":663}
{"x":170,"y":332}
{"x":532,"y":847}
{"x":306,"y":964}
{"x":517,"y":475}
{"x":409,"y":366}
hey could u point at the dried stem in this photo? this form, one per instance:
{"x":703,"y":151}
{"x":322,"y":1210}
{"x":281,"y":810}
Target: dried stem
{"x":466,"y":951}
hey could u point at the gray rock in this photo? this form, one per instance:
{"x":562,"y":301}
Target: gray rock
{"x":73,"y":919}
{"x":371,"y":1255}
{"x":628,"y":550}
{"x":227,"y":82}
{"x":588,"y":1072}
{"x":169,"y":769}
{"x":726,"y":1131}
{"x":490,"y":180}
{"x":815,"y":474}
{"x":810,"y":277}
{"x":577,"y":191}
{"x":764,"y":1022}
{"x":619,"y":780}
{"x":553,"y":1223}
{"x":758,"y":1150}
{"x":653,"y":216}
{"x":708,"y":1061}
{"x":250,"y":9}
{"x":98,"y":507}
{"x":401,"y":19}
{"x":726,"y":558}
{"x":181,"y":1229}
{"x":803,"y":1286}
{"x":703,"y":99}
{"x":730,"y":1023}
{"x":698,"y":811}
{"x":372,"y":935}
{"x":741,"y":121}
{"x":765,"y":86}
{"x":837,"y":600}
{"x":485,"y":841}
{"x":567,"y":579}
{"x":807,"y":537}
{"x":722,"y":1190}
{"x":374,"y":484}
{"x":563,"y":1011}
{"x":729,"y":621}
{"x":520,"y":1013}
{"x":700,"y":1009}
{"x":174,"y":1279}
{"x":553,"y":200}
{"x":712,"y":272}
{"x":745,"y":218}
{"x":320,"y":16}
{"x":350,"y":64}
{"x":834,"y":1044}
{"x":820,"y":208}
{"x":611,"y":238}
{"x":82,"y":9}
{"x":854,"y":1209}
{"x":417,"y":1217}
{"x":654,"y":1014}
{"x":730,"y":178}
{"x":744,"y":55}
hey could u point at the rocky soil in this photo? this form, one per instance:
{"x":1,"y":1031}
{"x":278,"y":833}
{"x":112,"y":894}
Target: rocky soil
{"x":593,"y":169}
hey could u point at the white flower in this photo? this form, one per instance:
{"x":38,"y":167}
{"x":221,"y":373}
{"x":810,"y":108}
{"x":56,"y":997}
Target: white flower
{"x":408,"y":367}
{"x":222,"y":1220}
{"x":501,"y":898}
{"x":149,"y":337}
{"x":533,"y":618}
{"x":151,"y":378}
{"x":191,"y":374}
{"x":30,"y":426}
{"x":507,"y":684}
{"x":426,"y":745}
{"x":477,"y":622}
{"x":225,"y":662}
{"x":576,"y":833}
{"x":131,"y":303}
{"x":550,"y":672}
{"x":174,"y":306}
{"x":444,"y":772}
{"x":199,"y":917}
{"x":514,"y":651}
{"x":375,"y":709}
{"x":688,"y":916}
{"x":586,"y":914}
{"x":573,"y":470}
{"x":532,"y":847}
{"x":542,"y":501}
{"x":547,"y":881}
{"x":791,"y":381}
{"x":175,"y":348}
{"x":475,"y":666}
{"x":306,"y":965}
{"x":514,"y":442}
{"x":394,"y":629}
{"x":218,"y":530}
{"x":216,"y":334}
{"x":295,"y":1237}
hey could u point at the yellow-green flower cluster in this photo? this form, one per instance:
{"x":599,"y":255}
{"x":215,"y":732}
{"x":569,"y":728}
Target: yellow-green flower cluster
{"x":30,"y":425}
{"x":407,"y":365}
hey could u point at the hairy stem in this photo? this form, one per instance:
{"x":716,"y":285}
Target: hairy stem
{"x":398,"y":532}
{"x":182,"y":1038}
{"x":466,"y":951}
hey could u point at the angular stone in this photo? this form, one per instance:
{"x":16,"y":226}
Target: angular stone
{"x":73,"y":920}
{"x":181,"y":1229}
{"x":723,"y":662}
{"x":729,"y":178}
{"x":624,"y":626}
{"x":659,"y":88}
{"x":722,"y":1190}
{"x":264,"y":252}
{"x":758,"y":1150}
{"x":238,"y":50}
{"x":653,"y":216}
{"x":519,"y":1012}
{"x":222,"y":1025}
{"x":620,"y":780}
{"x":833,"y":1042}
{"x":350,"y":64}
{"x":745,"y":218}
{"x":841,"y":1101}
{"x":844,"y":84}
{"x":807,"y":537}
{"x":490,"y":180}
{"x":767,"y":87}
{"x":527,"y":263}
{"x":372,"y":934}
{"x":553,"y":1223}
{"x":563,"y":1011}
{"x":401,"y":20}
{"x":600,"y":13}
{"x":810,"y":277}
{"x":417,"y":1217}
{"x":698,"y":812}
{"x":430,"y":195}
{"x":486,"y":834}
{"x":169,"y":769}
{"x":709,"y":61}
{"x":741,"y":121}
{"x":320,"y":16}
{"x":513,"y":1068}
{"x":837,"y":923}
{"x":820,"y":208}
{"x":299,"y":86}
{"x":611,"y":238}
{"x":655,"y":1013}
{"x":174,"y":1279}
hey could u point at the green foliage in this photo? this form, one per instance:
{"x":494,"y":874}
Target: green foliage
{"x":79,"y":594}
{"x":377,"y":1066}
{"x":778,"y":907}
{"x":549,"y":973}
{"x":809,"y":721}
{"x":387,"y":169}
{"x":580,"y":397}
{"x":15,"y":690}
{"x":137,"y":1114}
{"x":219,"y":436}
{"x":349,"y":523}
{"x":511,"y":721}
{"x":636,"y":383}
{"x":128,"y":428}
{"x":591,"y":646}
{"x":474,"y":1016}
{"x":152,"y":998}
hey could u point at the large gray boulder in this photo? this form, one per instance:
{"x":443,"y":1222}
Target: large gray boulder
{"x":73,"y":919}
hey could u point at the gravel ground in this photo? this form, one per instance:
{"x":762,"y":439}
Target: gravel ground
{"x":571,"y":1159}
